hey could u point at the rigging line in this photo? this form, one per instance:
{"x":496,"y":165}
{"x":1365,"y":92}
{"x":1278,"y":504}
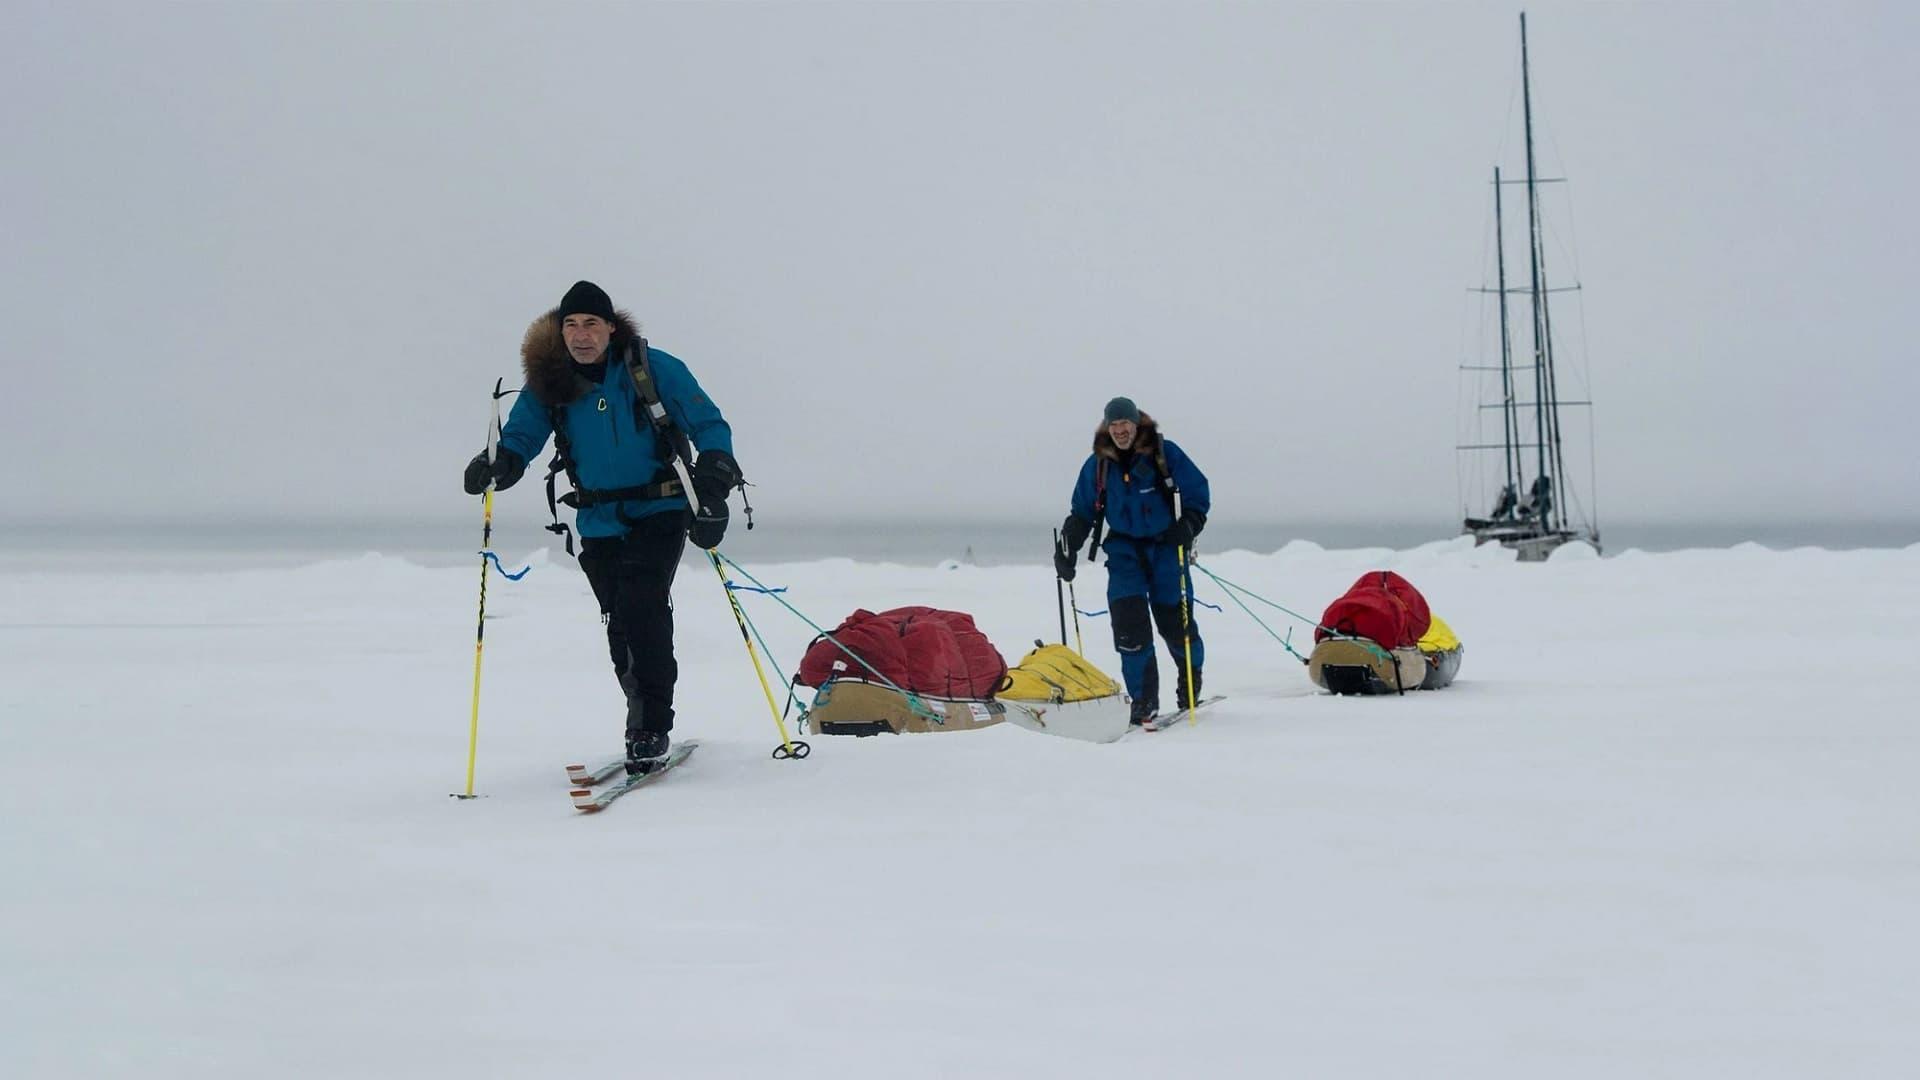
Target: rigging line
{"x":1553,"y":387}
{"x":1572,"y":248}
{"x":1075,"y":678}
{"x":1586,"y":377}
{"x":1263,"y":624}
{"x":1593,"y":481}
{"x":913,"y":700}
{"x":1593,"y":423}
{"x":1224,"y":583}
{"x":1515,"y":77}
{"x":792,"y":698}
{"x":1069,"y":675}
{"x":1469,"y":483}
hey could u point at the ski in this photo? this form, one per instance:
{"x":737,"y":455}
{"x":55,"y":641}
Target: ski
{"x":1162,"y":722}
{"x":581,"y":776}
{"x":589,"y":801}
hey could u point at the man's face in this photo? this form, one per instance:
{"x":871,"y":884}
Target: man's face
{"x":1123,"y":432}
{"x":586,"y":336}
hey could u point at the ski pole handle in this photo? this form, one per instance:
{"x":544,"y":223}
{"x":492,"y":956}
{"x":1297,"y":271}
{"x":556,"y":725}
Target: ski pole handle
{"x":493,"y":429}
{"x":1059,"y":598}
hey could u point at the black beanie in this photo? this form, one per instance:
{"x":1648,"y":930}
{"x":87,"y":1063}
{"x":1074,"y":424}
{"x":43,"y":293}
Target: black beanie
{"x":586,"y":298}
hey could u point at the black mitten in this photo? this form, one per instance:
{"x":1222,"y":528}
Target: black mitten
{"x":1074,"y":531}
{"x":1182,"y":532}
{"x":714,"y":475}
{"x":709,"y":525}
{"x":504,"y":470}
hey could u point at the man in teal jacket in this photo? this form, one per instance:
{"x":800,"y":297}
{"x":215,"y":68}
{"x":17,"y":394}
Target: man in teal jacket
{"x":593,"y":384}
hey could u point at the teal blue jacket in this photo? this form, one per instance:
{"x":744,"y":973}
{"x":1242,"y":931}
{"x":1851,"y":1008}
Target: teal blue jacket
{"x":613,"y":444}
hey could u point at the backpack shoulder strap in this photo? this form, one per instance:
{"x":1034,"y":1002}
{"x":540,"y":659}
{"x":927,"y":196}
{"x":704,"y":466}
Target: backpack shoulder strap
{"x":562,"y":462}
{"x":671,"y":439}
{"x":1099,"y":507}
{"x":668,"y":441}
{"x":1167,"y":487}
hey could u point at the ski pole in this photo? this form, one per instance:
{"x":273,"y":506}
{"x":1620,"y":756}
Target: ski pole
{"x":1072,"y":602}
{"x":1186,"y":626}
{"x":1186,"y":612}
{"x":788,"y":749}
{"x":1059,"y":600}
{"x":480,"y":627}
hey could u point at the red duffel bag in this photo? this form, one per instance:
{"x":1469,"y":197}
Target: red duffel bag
{"x":922,"y":649}
{"x":1383,"y":607}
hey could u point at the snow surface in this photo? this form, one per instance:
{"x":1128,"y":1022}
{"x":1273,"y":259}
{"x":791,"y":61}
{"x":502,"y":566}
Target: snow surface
{"x":1664,"y":825}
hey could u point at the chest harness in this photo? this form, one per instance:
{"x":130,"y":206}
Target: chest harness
{"x":668,"y":440}
{"x":1165,"y":484}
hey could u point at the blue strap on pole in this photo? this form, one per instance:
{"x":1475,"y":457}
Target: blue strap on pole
{"x":504,"y":572}
{"x":1197,"y":600}
{"x":765,"y":648}
{"x":737,"y":587}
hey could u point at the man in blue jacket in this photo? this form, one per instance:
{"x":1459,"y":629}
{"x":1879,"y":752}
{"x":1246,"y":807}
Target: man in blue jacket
{"x":619,"y":413}
{"x":1130,"y":485}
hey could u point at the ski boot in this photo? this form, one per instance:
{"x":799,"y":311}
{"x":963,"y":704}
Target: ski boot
{"x":645,"y":748}
{"x":1147,"y":705}
{"x":1182,"y":701}
{"x":1142,"y":710}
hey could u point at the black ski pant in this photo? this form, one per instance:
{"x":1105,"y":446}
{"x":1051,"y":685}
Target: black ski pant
{"x":632,"y":577}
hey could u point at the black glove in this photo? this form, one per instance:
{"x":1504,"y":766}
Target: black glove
{"x":505,"y":471}
{"x":709,"y":525}
{"x":1073,"y":534}
{"x":1074,"y":531}
{"x":1182,"y":532}
{"x":714,"y":475}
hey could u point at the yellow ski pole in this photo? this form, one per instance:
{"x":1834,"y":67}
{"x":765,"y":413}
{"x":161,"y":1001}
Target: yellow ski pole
{"x":1186,"y":625}
{"x":788,"y":748}
{"x":479,"y":645}
{"x":1186,"y":609}
{"x":480,"y":629}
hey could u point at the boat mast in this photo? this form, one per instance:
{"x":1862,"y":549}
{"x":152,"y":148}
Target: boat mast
{"x":1509,"y":414}
{"x":1546,"y":409}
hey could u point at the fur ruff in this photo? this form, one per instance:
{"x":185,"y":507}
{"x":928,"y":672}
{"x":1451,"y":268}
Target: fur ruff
{"x":549,"y":368}
{"x":1146,"y":441}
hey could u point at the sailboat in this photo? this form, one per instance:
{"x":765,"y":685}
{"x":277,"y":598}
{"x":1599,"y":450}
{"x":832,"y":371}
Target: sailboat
{"x":1536,"y":509}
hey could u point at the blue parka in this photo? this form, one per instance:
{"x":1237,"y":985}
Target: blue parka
{"x":613,"y":444}
{"x":1136,"y":507}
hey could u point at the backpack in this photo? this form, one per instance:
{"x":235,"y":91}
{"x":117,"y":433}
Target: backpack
{"x":669,"y":442}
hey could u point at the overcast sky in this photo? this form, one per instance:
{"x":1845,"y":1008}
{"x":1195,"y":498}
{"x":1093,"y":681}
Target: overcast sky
{"x":269,"y":258}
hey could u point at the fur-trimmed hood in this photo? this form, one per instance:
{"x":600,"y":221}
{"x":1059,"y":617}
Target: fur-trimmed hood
{"x":548,"y":367}
{"x":1145,"y":442}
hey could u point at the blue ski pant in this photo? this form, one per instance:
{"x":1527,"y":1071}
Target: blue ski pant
{"x":1145,"y":584}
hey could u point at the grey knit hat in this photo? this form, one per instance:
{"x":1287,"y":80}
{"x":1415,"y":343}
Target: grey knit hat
{"x":1123,"y":409}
